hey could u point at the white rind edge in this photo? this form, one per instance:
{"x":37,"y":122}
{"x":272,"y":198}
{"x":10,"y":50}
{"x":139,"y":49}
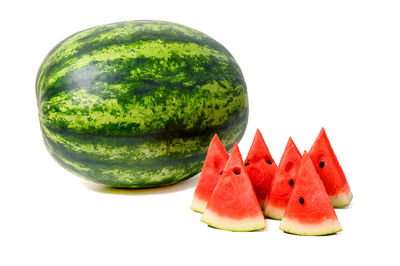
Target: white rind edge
{"x":274,"y":213}
{"x":198,"y":205}
{"x":341,"y":200}
{"x":324,"y":228}
{"x":244,"y":225}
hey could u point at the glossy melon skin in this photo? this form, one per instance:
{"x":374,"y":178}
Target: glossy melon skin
{"x":136,"y":103}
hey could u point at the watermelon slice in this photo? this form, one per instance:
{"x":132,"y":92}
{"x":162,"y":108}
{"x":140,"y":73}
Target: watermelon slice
{"x":233,"y":205}
{"x":213,"y":165}
{"x":309,"y":211}
{"x":261,"y":167}
{"x":330,"y":171}
{"x":284,"y":181}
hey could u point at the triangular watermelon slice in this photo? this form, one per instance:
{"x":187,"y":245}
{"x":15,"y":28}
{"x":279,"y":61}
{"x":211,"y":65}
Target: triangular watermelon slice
{"x":213,"y":165}
{"x":309,"y":211}
{"x":284,"y":181}
{"x":261,"y":167}
{"x":330,"y":171}
{"x":233,"y":205}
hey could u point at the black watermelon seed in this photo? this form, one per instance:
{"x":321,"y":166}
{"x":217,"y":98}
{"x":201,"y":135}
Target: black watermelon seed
{"x":269,"y":162}
{"x":321,"y":164}
{"x":291,"y":182}
{"x":221,"y":172}
{"x":246,"y":164}
{"x":301,"y":200}
{"x":236,"y":170}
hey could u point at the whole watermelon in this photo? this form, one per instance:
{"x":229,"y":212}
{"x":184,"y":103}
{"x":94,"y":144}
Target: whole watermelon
{"x":135,"y":104}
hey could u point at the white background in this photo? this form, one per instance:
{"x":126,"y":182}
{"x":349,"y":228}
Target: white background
{"x":307,"y":64}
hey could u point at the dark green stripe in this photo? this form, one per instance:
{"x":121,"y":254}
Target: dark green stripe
{"x":89,"y":47}
{"x":144,"y":165}
{"x":88,"y":43}
{"x":166,"y":106}
{"x":132,"y":175}
{"x":135,"y":175}
{"x":125,"y":150}
{"x":191,"y":71}
{"x":169,"y":32}
{"x":168,"y":129}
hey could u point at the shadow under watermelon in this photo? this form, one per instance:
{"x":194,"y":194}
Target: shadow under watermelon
{"x":186,"y":184}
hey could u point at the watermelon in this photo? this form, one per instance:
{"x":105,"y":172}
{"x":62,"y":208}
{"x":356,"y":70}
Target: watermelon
{"x":309,"y":210}
{"x":284,"y":181}
{"x":260,"y":166}
{"x":212,"y":169}
{"x":136,"y":103}
{"x":330,"y":171}
{"x":233,"y":204}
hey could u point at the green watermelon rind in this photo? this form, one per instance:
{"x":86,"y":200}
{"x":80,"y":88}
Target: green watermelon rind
{"x":297,"y":228}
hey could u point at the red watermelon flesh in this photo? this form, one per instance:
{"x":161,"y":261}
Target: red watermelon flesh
{"x":261,"y":167}
{"x":233,"y":204}
{"x":284,"y":181}
{"x":330,"y":171}
{"x":309,"y":211}
{"x":213,"y":165}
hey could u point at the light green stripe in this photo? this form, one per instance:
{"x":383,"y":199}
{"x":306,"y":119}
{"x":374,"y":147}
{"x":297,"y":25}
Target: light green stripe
{"x":82,"y":111}
{"x":154,"y":49}
{"x":122,"y":30}
{"x":129,"y":177}
{"x":148,"y":150}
